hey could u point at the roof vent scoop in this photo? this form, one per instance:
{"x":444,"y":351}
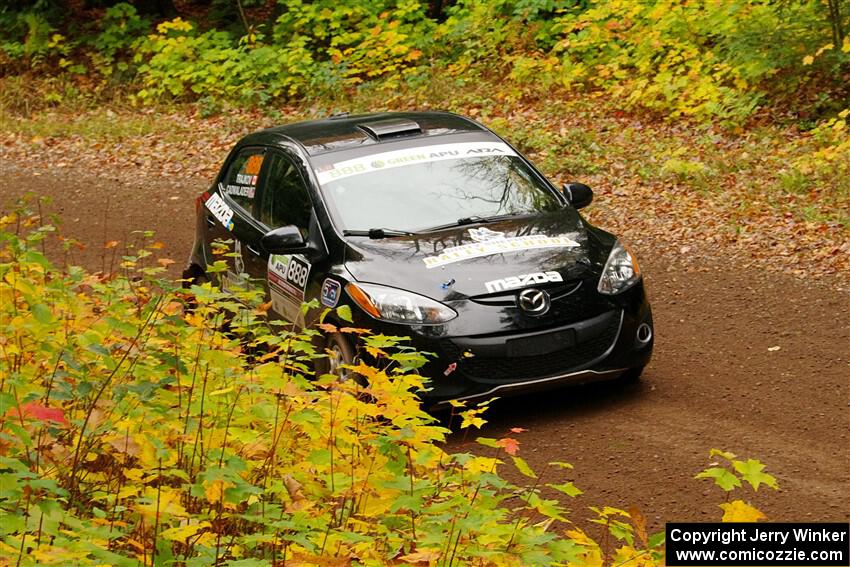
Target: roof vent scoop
{"x":390,"y":128}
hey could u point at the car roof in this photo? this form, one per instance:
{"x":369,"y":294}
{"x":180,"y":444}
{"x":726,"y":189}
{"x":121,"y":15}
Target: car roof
{"x":344,"y":131}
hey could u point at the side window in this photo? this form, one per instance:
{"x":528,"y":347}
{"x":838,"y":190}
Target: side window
{"x":285,"y":199}
{"x":240,"y":183}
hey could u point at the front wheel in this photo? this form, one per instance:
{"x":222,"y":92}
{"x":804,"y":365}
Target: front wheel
{"x":632,"y":375}
{"x":339,"y":352}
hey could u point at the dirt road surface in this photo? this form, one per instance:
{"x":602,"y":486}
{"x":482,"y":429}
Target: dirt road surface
{"x":717,"y":379}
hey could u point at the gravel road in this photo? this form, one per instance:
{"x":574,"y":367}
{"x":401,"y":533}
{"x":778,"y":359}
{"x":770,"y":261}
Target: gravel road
{"x":717,"y":379}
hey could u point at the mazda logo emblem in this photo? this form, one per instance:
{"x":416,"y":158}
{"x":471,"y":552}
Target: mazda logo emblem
{"x":534,"y":301}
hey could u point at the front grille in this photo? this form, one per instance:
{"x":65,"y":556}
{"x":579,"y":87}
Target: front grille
{"x":502,"y":298}
{"x":520,"y":368}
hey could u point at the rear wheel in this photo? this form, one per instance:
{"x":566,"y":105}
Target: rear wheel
{"x":194,"y":275}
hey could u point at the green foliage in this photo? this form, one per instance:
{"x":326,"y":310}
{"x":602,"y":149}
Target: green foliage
{"x":703,"y":60}
{"x":120,"y":30}
{"x":362,"y":41}
{"x":180,"y":63}
{"x":750,"y":471}
{"x":132,"y":429}
{"x":30,"y":38}
{"x":136,"y":428}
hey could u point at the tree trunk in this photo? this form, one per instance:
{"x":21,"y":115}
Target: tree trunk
{"x":836,"y":23}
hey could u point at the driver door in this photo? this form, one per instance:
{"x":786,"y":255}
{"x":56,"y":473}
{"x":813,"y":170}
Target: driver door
{"x":284,"y":200}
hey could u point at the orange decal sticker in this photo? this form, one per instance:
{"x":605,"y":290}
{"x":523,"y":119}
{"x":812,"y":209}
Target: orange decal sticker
{"x":253,"y":165}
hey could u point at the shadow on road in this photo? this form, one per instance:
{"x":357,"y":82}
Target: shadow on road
{"x":572,"y":402}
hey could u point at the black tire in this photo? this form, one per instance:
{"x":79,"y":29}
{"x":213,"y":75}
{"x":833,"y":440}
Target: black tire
{"x":632,"y":375}
{"x":339,"y":351}
{"x":193,"y":275}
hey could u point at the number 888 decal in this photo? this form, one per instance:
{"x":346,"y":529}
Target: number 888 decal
{"x":297,"y":273}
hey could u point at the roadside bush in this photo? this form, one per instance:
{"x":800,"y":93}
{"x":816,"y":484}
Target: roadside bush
{"x":180,"y":63}
{"x":823,"y":165}
{"x":121,"y":28}
{"x":362,"y":41}
{"x":134,"y":429}
{"x":29,"y":41}
{"x":701,"y":59}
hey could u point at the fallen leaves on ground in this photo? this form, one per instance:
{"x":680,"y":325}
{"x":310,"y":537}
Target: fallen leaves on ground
{"x":693,"y":194}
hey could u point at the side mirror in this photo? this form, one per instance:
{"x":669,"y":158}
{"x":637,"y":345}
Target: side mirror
{"x":284,"y":240}
{"x":578,"y":194}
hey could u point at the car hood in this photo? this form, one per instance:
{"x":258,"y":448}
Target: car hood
{"x":458,"y":263}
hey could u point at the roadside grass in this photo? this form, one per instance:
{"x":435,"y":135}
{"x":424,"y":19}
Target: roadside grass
{"x":98,"y":125}
{"x":679,"y":182}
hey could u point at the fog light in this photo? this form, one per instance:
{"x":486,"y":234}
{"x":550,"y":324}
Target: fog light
{"x":644,"y":334}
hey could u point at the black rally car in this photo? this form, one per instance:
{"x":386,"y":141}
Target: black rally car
{"x":431,"y":226}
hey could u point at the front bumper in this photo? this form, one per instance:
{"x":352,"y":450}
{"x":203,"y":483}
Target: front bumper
{"x":600,"y":347}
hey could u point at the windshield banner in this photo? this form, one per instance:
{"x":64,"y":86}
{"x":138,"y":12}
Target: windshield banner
{"x":399,"y":158}
{"x":499,"y":246}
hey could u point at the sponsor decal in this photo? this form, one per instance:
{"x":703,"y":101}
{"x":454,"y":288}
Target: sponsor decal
{"x":240,"y":191}
{"x":515,"y":282}
{"x":330,"y":292}
{"x":499,"y":246}
{"x":399,"y":158}
{"x":484,"y":234}
{"x":289,"y":275}
{"x":252,"y":166}
{"x":220,"y":210}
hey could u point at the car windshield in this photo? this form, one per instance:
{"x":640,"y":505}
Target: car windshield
{"x":432,"y":187}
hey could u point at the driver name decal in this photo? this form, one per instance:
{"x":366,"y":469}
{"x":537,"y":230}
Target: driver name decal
{"x":514,"y":282}
{"x":498,"y":246}
{"x":398,"y":158}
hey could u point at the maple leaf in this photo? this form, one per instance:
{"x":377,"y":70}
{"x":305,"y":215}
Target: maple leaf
{"x":523,"y":467}
{"x":471,"y":418}
{"x":567,"y":488}
{"x":740,"y":511}
{"x":722,"y":477}
{"x":182,"y":533}
{"x":510,"y":445}
{"x":518,"y":430}
{"x":639,"y":522}
{"x":375,"y":351}
{"x":43,"y":413}
{"x":214,"y":491}
{"x":355,"y":330}
{"x":421,"y":556}
{"x":327,"y":327}
{"x":751,"y":471}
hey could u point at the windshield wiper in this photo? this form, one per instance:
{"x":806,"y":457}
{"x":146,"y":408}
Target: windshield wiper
{"x":376,"y":233}
{"x":475,"y":219}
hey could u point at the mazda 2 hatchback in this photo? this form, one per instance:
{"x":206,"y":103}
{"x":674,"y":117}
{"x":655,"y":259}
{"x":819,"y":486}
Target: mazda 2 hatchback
{"x":431,"y":226}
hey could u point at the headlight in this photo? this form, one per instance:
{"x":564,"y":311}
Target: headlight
{"x":398,"y":306}
{"x":621,"y":271}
